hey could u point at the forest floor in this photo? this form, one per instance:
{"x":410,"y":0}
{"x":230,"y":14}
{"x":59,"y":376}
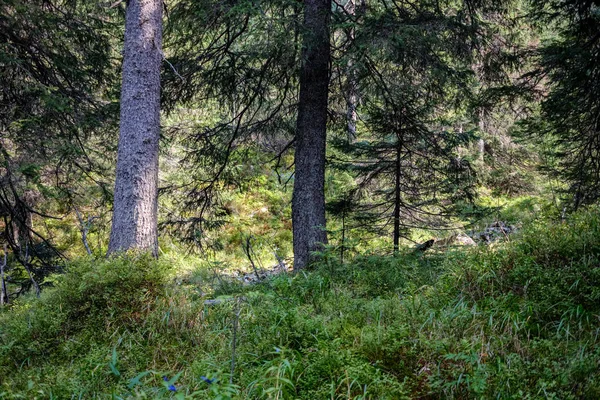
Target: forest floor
{"x":516,"y":319}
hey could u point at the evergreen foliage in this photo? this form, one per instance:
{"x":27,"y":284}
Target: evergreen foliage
{"x":569,"y":66}
{"x":57,"y":112}
{"x":239,"y":80}
{"x":445,"y":120}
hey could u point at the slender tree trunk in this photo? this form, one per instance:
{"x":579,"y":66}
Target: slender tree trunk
{"x":352,"y":94}
{"x":22,"y":219}
{"x":397,"y":196}
{"x":481,"y":142}
{"x":134,"y":224}
{"x":84,"y":229}
{"x":352,"y":90}
{"x":308,"y":203}
{"x":352,"y":104}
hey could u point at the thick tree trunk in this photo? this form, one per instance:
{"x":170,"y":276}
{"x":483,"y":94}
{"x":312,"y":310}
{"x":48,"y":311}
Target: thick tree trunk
{"x":308,"y":203}
{"x":134,"y":224}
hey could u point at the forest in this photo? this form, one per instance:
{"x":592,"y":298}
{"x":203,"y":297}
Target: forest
{"x":300,"y":199}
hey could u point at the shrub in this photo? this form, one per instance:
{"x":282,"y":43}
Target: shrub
{"x":93,"y":294}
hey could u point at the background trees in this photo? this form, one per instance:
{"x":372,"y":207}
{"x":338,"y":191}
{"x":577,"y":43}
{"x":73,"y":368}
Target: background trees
{"x":418,"y":84}
{"x":233,"y":98}
{"x":57,"y":112}
{"x":378,"y":108}
{"x":409,"y":88}
{"x":568,"y":72}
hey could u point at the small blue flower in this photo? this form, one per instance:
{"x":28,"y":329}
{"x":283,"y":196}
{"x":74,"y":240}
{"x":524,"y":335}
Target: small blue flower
{"x":205,"y":379}
{"x":172,"y":388}
{"x":165,"y":378}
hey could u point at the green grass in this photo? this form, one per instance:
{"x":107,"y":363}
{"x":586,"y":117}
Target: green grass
{"x":519,"y":320}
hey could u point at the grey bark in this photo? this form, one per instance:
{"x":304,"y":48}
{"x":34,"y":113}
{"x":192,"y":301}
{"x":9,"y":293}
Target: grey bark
{"x":84,"y":228}
{"x":308,"y":202}
{"x":481,"y":142}
{"x":352,"y":102}
{"x":134,"y":224}
{"x":481,"y":149}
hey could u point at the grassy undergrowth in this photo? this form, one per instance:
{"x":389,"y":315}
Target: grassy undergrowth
{"x":517,"y":320}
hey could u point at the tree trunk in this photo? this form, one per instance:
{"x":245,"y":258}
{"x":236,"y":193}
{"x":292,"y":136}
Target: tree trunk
{"x":308,"y":203}
{"x":481,"y":142}
{"x":397,"y":196}
{"x":356,"y":9}
{"x":352,"y":103}
{"x":134,"y":224}
{"x":481,"y":149}
{"x":352,"y":94}
{"x":22,"y":221}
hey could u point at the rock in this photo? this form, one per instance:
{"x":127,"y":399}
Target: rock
{"x":498,"y":230}
{"x":460,"y":239}
{"x":464,"y":240}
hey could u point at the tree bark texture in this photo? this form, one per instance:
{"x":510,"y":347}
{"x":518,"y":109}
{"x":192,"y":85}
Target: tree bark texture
{"x":308,"y":203}
{"x":134,"y":224}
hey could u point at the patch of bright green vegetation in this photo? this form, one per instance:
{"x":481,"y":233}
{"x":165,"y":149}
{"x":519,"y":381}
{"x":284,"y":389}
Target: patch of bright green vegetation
{"x":518,"y":320}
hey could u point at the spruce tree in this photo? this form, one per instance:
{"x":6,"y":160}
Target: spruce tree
{"x":57,"y":108}
{"x":569,"y":72}
{"x":308,"y":203}
{"x":134,"y":224}
{"x":414,"y":64}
